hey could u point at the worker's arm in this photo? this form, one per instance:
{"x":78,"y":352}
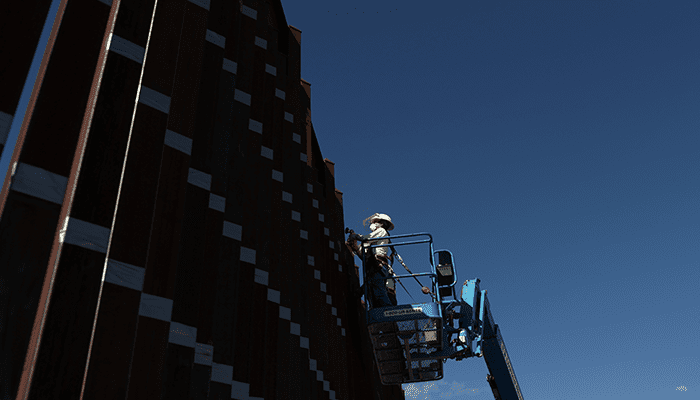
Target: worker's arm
{"x":380,"y":232}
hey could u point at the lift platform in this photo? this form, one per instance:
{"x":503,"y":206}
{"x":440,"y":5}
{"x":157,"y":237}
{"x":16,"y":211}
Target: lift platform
{"x":411,"y":342}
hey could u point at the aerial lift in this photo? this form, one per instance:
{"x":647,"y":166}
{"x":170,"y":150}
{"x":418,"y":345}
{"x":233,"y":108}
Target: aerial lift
{"x":411,"y":342}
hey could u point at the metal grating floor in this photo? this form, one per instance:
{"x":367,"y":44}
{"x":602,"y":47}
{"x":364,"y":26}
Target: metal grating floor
{"x":391,"y":341}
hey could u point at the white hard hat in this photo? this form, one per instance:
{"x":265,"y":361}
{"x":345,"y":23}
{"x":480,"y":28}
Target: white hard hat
{"x":381,"y":217}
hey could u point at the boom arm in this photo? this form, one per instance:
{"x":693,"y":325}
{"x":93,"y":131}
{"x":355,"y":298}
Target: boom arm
{"x":479,"y":322}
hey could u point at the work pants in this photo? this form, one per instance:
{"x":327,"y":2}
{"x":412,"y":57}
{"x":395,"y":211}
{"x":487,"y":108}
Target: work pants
{"x":378,"y":269}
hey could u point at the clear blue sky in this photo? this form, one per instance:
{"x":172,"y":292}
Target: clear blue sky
{"x":554,"y":147}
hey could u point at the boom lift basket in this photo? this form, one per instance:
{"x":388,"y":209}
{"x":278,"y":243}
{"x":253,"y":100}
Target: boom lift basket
{"x":411,"y":341}
{"x":404,"y":336}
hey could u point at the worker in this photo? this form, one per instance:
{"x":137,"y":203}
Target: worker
{"x":378,"y":264}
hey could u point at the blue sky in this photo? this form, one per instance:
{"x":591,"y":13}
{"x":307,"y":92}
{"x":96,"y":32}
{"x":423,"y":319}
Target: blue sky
{"x":553,"y":146}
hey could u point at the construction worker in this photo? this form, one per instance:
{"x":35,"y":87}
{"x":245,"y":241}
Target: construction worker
{"x":378,"y":264}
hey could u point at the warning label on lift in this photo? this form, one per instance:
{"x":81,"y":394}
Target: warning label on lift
{"x":445,"y":271}
{"x":404,"y":311}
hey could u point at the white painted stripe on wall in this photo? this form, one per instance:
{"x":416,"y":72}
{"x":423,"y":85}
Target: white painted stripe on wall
{"x":296,"y":137}
{"x":296,"y":216}
{"x":270,"y":69}
{"x":217,"y":202}
{"x":295,"y":329}
{"x":155,"y":307}
{"x":125,"y":275}
{"x":261,"y":42}
{"x":233,"y":231}
{"x":310,"y":260}
{"x":40,"y":183}
{"x":328,"y":299}
{"x":323,"y":287}
{"x":86,"y":235}
{"x":273,"y":296}
{"x":279,"y":94}
{"x":154,"y":99}
{"x":202,"y":3}
{"x":222,"y":373}
{"x":247,"y":255}
{"x":285,"y":313}
{"x":240,"y":390}
{"x":241,"y":96}
{"x":287,"y":197}
{"x":288,"y":116}
{"x":126,"y":48}
{"x":317,"y":274}
{"x":325,"y":230}
{"x":266,"y":152}
{"x":178,"y":142}
{"x":260,"y":276}
{"x":309,"y":188}
{"x":304,"y":234}
{"x":203,"y":354}
{"x":182,"y":334}
{"x":230,"y":66}
{"x":320,"y":217}
{"x":199,"y":179}
{"x":277,"y":175}
{"x":314,"y":203}
{"x":302,"y":157}
{"x":304,"y":342}
{"x":215,"y":38}
{"x":255,"y":126}
{"x":249,"y":12}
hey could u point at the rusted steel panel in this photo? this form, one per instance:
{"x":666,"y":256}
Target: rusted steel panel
{"x":98,"y":183}
{"x":226,"y":302}
{"x":27,"y":17}
{"x":185,"y":87}
{"x":177,"y":377}
{"x":207,"y":268}
{"x":26,"y":235}
{"x":148,"y":362}
{"x":199,"y":387}
{"x":108,"y":372}
{"x":269,"y":381}
{"x":37,"y":136}
{"x":164,"y":46}
{"x":222,"y":278}
{"x":62,"y":102}
{"x":244,"y":323}
{"x":68,"y":325}
{"x":132,"y":226}
{"x":188,"y":264}
{"x":256,"y":355}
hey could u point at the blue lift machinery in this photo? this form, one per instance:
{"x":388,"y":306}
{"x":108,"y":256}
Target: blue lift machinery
{"x":411,"y":342}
